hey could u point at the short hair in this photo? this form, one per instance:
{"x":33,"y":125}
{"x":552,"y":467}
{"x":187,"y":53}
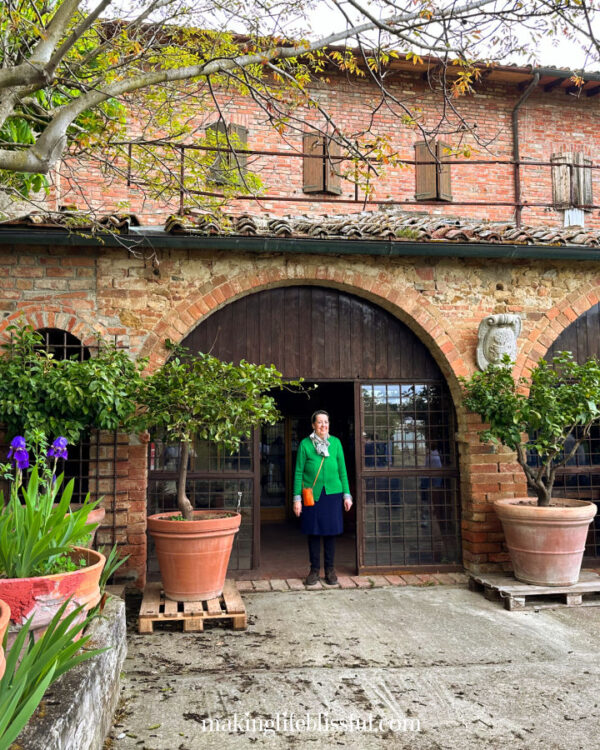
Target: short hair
{"x":313,"y":419}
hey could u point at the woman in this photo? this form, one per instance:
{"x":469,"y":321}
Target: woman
{"x":320,"y":465}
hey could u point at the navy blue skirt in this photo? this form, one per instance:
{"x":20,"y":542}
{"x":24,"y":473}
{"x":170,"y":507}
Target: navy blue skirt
{"x":324,"y":518}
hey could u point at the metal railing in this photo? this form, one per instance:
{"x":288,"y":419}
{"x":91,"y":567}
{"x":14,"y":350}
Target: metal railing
{"x":516,"y":171}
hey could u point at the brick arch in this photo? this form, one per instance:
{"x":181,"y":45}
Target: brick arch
{"x":406,"y":304}
{"x":553,"y":323}
{"x":64,"y":318}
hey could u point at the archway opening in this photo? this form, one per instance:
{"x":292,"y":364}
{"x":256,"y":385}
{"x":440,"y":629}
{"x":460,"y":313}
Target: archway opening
{"x":390,"y":405}
{"x":580,"y":478}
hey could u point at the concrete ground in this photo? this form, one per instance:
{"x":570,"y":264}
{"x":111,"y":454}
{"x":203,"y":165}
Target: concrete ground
{"x":409,"y":667}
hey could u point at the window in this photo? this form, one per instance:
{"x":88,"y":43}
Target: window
{"x":432,"y":174}
{"x":322,"y":171}
{"x":227,"y":167}
{"x":571,"y":181}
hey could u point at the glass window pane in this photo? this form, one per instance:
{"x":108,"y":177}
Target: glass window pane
{"x":412,"y":520}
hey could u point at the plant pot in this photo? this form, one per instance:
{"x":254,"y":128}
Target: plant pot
{"x":40,"y":597}
{"x":193,"y":555}
{"x":95,"y":516}
{"x":4,"y":620}
{"x":546,"y":544}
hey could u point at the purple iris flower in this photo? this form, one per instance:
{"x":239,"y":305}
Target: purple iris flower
{"x":59,"y":448}
{"x":18,"y":453}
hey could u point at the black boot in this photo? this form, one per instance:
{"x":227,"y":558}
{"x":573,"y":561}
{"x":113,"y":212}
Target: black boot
{"x":312,"y":577}
{"x":330,"y":577}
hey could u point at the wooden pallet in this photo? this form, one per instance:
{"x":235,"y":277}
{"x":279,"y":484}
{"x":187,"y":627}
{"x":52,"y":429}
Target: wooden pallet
{"x":526,"y":596}
{"x":156,"y":608}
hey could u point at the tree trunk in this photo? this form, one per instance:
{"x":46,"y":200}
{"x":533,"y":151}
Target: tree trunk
{"x":182,"y":499}
{"x":543,"y":494}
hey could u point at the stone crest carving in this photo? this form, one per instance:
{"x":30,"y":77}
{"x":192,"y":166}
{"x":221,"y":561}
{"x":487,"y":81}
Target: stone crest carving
{"x":496,"y":337}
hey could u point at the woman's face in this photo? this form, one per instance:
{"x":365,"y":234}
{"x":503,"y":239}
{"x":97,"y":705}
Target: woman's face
{"x":321,"y":425}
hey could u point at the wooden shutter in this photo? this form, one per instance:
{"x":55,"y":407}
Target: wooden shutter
{"x":227,"y":165}
{"x":333,"y":168}
{"x":561,"y":180}
{"x":425,"y":174}
{"x":218,"y":169}
{"x":444,"y":186}
{"x":312,"y":168}
{"x":583,"y":180}
{"x":238,"y":136}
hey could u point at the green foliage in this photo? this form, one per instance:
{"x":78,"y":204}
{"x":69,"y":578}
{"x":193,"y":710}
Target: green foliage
{"x":112,"y":564}
{"x":203,"y":397}
{"x":38,"y":531}
{"x":536,"y":415}
{"x":24,"y":683}
{"x":64,"y":397}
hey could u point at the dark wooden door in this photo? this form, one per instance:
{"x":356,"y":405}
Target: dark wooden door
{"x":315,"y":332}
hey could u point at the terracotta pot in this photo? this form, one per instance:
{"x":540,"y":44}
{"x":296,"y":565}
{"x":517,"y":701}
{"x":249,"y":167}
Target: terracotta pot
{"x":4,"y":620}
{"x":96,"y":517}
{"x":193,"y":555}
{"x":546,"y":544}
{"x":40,"y":597}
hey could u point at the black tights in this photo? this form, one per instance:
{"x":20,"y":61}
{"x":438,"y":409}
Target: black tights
{"x":314,"y":550}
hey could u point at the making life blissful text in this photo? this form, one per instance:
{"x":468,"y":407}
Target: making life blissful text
{"x":320,"y":490}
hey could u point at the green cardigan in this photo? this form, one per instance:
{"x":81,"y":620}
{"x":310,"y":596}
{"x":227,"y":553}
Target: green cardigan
{"x":333,"y":475}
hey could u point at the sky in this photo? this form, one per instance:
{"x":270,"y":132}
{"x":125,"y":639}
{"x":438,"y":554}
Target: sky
{"x":554,"y":52}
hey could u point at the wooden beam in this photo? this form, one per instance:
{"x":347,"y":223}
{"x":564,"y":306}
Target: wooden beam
{"x":432,"y":71}
{"x":553,"y":84}
{"x":523,"y":85}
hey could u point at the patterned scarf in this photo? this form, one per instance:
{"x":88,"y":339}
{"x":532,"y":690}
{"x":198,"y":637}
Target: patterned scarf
{"x":321,"y":446}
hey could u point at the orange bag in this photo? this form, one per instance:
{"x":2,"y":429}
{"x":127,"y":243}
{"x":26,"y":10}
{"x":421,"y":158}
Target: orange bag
{"x":307,"y":496}
{"x":307,"y":492}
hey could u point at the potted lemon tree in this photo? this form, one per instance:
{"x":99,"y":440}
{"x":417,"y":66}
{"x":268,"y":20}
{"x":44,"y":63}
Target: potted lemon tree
{"x":545,"y":419}
{"x":200,"y":397}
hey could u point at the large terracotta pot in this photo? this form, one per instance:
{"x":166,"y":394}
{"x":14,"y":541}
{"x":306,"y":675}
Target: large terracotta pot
{"x":41,"y":597}
{"x":193,"y":555}
{"x":96,"y":517}
{"x":4,"y":620}
{"x":546,"y":544}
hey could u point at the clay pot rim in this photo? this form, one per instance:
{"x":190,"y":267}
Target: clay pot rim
{"x":4,"y":617}
{"x":223,"y":515}
{"x":576,"y":509}
{"x":100,"y":561}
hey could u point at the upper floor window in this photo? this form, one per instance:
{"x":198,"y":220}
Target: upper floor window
{"x":227,"y":167}
{"x":572,"y":185}
{"x":321,"y":168}
{"x":432,"y":174}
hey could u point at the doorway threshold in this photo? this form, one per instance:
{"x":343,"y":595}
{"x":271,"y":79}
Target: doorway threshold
{"x":284,"y":554}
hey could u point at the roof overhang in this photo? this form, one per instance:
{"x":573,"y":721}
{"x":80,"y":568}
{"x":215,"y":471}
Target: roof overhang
{"x":159,"y":240}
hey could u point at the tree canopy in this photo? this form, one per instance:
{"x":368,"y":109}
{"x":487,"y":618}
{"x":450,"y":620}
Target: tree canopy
{"x":84,"y":79}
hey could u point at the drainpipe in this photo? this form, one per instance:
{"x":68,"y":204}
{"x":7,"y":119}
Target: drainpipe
{"x":516,"y":155}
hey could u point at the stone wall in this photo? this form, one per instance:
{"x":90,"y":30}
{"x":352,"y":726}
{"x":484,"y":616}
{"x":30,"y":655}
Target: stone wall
{"x":77,"y":711}
{"x":441,"y":300}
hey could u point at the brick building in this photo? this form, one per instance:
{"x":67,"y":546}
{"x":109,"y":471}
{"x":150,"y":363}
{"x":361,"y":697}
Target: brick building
{"x":380,"y":308}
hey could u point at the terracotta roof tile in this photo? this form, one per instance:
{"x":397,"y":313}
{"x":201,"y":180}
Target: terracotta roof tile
{"x":389,"y":224}
{"x":70,"y":219}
